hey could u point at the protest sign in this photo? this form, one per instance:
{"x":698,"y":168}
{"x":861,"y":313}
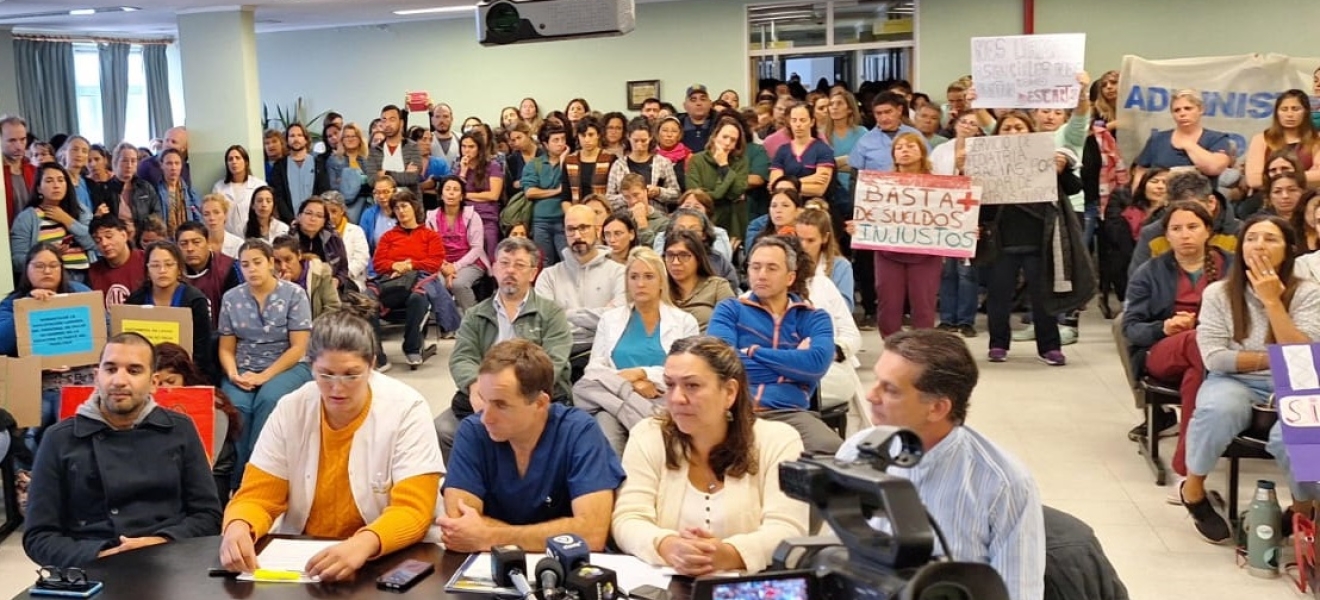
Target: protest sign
{"x":1013,"y":169}
{"x":1028,"y":71}
{"x":156,"y":323}
{"x":197,"y":403}
{"x":916,"y":214}
{"x":20,"y":389}
{"x":1238,"y":93}
{"x":1295,"y":369}
{"x":66,"y":330}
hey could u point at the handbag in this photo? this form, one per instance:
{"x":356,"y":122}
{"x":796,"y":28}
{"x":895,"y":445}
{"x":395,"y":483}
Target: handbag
{"x":394,"y":292}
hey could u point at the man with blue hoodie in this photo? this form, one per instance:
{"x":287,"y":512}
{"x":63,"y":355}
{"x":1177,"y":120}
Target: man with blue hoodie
{"x":785,"y":344}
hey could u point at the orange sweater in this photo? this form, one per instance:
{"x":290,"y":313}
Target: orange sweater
{"x":334,"y":514}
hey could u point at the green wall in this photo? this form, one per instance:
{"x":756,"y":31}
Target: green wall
{"x":357,"y":70}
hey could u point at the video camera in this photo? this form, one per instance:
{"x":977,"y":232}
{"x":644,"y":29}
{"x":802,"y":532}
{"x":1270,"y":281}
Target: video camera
{"x":863,"y":562}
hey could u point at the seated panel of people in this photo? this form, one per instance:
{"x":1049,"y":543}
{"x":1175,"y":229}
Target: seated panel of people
{"x":164,"y":285}
{"x":307,"y":272}
{"x":347,"y":418}
{"x":490,"y":494}
{"x":1259,"y":303}
{"x":123,"y":473}
{"x":462,"y":231}
{"x":786,"y":344}
{"x":53,"y":214}
{"x":264,"y":326}
{"x":703,"y":492}
{"x":409,"y":252}
{"x":693,"y":284}
{"x":622,"y":382}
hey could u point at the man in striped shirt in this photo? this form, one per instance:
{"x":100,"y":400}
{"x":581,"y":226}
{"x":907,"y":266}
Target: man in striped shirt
{"x":981,"y":496}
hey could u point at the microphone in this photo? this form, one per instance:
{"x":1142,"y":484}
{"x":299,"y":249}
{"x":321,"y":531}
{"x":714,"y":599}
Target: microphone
{"x":569,"y":549}
{"x":508,"y":567}
{"x":550,"y":577}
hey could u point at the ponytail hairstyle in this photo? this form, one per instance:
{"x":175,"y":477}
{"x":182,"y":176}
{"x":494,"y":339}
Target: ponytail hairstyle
{"x":1211,"y":270}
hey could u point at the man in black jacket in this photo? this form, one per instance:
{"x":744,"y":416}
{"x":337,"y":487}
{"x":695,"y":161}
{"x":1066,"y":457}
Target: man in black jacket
{"x":122,"y":474}
{"x":299,"y":175}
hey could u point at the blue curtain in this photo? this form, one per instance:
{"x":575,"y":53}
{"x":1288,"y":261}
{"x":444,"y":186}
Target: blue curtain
{"x":114,"y":91}
{"x":46,"y":91}
{"x":157,"y":69}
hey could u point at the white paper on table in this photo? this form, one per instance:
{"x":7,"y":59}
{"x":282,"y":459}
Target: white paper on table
{"x":288,"y":555}
{"x":633,"y":572}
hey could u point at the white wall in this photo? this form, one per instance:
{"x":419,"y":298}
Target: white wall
{"x":357,"y":70}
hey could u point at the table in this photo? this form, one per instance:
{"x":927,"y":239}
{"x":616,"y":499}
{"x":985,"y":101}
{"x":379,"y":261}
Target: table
{"x":178,"y":571}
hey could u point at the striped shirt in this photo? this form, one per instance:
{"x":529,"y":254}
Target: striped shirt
{"x":74,"y":256}
{"x":986,"y":503}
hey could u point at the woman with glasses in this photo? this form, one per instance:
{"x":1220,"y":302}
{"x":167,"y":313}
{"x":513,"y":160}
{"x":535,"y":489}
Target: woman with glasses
{"x":300,"y":470}
{"x":165,"y":286}
{"x":379,"y":217}
{"x":693,"y":284}
{"x":317,"y":238}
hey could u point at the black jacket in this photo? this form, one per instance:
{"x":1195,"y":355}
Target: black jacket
{"x":92,"y":484}
{"x":285,"y":203}
{"x":145,"y":201}
{"x":1152,"y":292}
{"x":1075,"y":564}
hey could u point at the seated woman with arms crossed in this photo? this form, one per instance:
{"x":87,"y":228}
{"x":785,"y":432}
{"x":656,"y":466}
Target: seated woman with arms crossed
{"x":300,"y":469}
{"x":702,"y":493}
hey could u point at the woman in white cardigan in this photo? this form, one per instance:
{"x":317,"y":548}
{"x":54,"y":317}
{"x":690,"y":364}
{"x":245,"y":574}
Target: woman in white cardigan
{"x":702,"y":493}
{"x":351,"y":455}
{"x":623,"y":380}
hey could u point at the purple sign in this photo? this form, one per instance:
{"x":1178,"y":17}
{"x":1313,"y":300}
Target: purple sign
{"x":1296,"y":372}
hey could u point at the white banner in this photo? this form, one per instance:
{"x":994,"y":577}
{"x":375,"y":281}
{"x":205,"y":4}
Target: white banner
{"x":916,"y":214}
{"x":1013,"y":169}
{"x":1028,"y":71}
{"x":1238,"y":91}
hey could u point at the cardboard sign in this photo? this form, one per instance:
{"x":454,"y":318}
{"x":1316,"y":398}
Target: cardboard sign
{"x":418,"y":101}
{"x":198,"y":403}
{"x":157,"y":323}
{"x":1028,"y":71}
{"x":916,"y":214}
{"x":1295,"y":369}
{"x":20,"y":389}
{"x":1013,"y":169}
{"x":67,"y":330}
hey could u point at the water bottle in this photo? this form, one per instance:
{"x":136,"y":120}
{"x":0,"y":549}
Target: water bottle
{"x":1262,"y":525}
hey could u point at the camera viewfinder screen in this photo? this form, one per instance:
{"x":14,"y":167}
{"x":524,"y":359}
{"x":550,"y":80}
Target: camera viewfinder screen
{"x":774,"y":589}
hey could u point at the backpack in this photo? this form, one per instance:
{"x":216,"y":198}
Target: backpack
{"x":517,"y":210}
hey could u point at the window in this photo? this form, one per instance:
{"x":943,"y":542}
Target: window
{"x":833,"y":40}
{"x":87,"y":81}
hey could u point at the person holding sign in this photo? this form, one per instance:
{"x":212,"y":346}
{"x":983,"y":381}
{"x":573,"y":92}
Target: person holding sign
{"x":1290,"y":130}
{"x":165,"y":286}
{"x":903,"y":278}
{"x":805,"y":156}
{"x":300,"y":470}
{"x":264,"y":326}
{"x":1041,"y":241}
{"x":1188,"y":144}
{"x":1261,"y":302}
{"x":174,"y":368}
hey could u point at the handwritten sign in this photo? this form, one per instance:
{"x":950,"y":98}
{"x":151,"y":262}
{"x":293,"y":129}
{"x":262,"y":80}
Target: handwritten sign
{"x":1028,"y":71}
{"x":1013,"y":169}
{"x":65,"y":330}
{"x":916,"y":214}
{"x":156,"y":323}
{"x":20,"y":389}
{"x":1295,"y":369}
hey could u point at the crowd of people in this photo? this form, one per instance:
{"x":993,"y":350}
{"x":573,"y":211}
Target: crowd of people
{"x":648,"y":314}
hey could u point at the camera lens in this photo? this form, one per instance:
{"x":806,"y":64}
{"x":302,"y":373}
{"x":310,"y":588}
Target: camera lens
{"x":503,"y":18}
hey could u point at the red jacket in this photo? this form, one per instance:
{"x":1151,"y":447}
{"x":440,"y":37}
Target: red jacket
{"x":29,"y":176}
{"x":422,"y":245}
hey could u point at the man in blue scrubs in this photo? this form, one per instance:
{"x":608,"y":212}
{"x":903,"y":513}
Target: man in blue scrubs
{"x":526,"y":468}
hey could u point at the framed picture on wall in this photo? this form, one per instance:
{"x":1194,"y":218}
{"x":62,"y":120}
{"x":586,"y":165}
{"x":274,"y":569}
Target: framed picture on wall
{"x":639,"y":91}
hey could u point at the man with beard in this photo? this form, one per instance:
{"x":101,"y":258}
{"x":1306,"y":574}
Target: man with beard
{"x":299,"y":175}
{"x":696,"y":122}
{"x":585,"y":283}
{"x":398,"y":157}
{"x":121,"y":269}
{"x":515,"y":311}
{"x":444,"y":144}
{"x":122,"y":474}
{"x":19,"y":173}
{"x":211,"y":272}
{"x":150,"y":169}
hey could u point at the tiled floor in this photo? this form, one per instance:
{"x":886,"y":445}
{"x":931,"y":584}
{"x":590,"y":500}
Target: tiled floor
{"x":1068,"y":425}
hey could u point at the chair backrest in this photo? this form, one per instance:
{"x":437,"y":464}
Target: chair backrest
{"x":221,"y":428}
{"x":1124,"y":348}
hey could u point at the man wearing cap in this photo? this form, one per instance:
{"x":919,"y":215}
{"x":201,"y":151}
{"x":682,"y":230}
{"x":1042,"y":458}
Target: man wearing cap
{"x":697,"y":121}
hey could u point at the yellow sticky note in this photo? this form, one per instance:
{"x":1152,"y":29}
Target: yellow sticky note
{"x":156,"y":331}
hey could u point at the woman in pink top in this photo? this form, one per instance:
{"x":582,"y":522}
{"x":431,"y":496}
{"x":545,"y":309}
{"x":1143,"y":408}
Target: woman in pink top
{"x":463,"y":233}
